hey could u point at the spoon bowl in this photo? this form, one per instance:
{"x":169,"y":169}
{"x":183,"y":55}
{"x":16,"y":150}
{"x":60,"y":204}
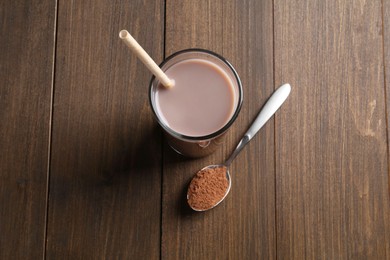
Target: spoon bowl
{"x":227,"y":175}
{"x":212,"y":193}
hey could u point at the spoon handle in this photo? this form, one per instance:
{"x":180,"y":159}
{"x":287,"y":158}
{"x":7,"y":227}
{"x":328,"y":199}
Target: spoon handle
{"x":272,"y":105}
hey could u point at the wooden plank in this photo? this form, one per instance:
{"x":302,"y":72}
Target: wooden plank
{"x":242,"y":227}
{"x":105,"y":184}
{"x":386,"y":49}
{"x":26,"y":62}
{"x":331,"y":156}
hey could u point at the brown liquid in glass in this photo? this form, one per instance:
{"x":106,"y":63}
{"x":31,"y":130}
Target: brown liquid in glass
{"x":202,"y":100}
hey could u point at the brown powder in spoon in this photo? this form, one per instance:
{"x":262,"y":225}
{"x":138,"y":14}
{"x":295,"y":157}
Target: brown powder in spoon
{"x":207,"y":188}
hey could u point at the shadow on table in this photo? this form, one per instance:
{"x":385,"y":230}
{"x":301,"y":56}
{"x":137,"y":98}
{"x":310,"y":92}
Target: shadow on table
{"x":140,"y":157}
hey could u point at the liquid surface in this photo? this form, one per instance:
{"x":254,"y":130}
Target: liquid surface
{"x":202,"y":100}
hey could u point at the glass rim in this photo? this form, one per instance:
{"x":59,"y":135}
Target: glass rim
{"x":222,"y":129}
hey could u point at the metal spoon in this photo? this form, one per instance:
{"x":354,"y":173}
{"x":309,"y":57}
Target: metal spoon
{"x":272,"y":105}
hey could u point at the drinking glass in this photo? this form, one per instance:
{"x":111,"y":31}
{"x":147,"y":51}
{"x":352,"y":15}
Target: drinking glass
{"x":197,"y":146}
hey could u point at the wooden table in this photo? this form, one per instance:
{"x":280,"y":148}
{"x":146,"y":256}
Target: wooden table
{"x":85,"y":172}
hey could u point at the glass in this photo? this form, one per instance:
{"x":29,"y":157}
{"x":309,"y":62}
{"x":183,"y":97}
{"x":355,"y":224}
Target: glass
{"x":197,"y":146}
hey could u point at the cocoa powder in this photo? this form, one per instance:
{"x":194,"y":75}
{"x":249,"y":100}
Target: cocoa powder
{"x":207,"y":188}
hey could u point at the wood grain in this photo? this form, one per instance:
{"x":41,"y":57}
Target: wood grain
{"x":242,"y":227}
{"x":386,"y":55}
{"x":26,"y":62}
{"x":105,"y":184}
{"x":331,"y":158}
{"x":313,"y":184}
